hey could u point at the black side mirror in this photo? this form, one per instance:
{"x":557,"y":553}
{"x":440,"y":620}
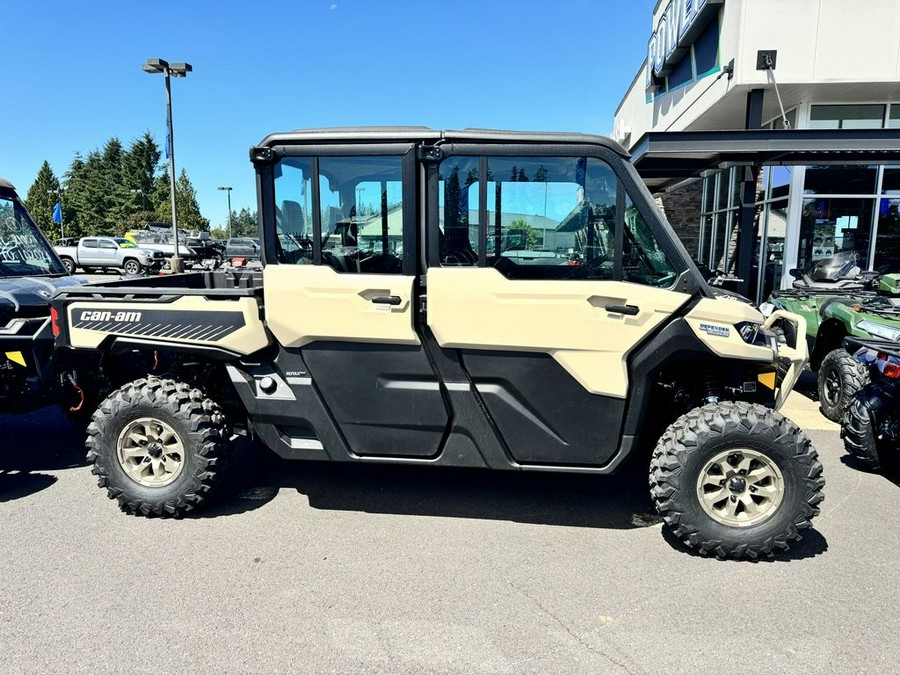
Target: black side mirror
{"x":796,"y":273}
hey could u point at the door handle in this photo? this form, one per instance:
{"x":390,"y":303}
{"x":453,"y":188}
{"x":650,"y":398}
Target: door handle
{"x":630,"y":310}
{"x":386,"y":299}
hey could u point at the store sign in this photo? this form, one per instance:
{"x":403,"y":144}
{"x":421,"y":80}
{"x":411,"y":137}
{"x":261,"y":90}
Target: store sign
{"x":678,"y":26}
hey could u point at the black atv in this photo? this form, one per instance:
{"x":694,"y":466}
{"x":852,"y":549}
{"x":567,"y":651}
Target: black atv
{"x":871,"y":424}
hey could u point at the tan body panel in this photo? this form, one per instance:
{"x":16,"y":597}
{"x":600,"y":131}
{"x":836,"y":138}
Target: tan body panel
{"x":725,"y":314}
{"x":306,"y":303}
{"x":479,"y":308}
{"x":246,"y":339}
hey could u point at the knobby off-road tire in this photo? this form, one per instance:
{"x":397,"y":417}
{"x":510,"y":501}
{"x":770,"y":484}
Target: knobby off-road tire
{"x":158,"y":446}
{"x":781,"y":484}
{"x":840,"y":377}
{"x":858,"y":429}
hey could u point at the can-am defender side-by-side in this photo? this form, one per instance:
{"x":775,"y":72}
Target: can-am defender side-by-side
{"x":462,"y":298}
{"x":31,"y":375}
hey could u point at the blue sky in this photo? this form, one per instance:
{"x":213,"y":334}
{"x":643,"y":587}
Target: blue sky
{"x":72,"y":74}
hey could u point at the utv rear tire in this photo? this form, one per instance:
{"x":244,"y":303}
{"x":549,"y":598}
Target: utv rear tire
{"x":858,"y":429}
{"x":760,"y":510}
{"x":840,"y":377}
{"x":158,"y":446}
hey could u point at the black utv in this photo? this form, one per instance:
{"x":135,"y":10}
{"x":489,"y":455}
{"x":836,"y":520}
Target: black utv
{"x":30,"y":273}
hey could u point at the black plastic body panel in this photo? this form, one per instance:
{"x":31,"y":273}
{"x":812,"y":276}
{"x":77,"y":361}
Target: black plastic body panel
{"x":543,"y":413}
{"x":385,"y":398}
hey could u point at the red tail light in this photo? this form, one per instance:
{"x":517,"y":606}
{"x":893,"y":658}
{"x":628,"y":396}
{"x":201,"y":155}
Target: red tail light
{"x":889,"y":369}
{"x":54,"y":321}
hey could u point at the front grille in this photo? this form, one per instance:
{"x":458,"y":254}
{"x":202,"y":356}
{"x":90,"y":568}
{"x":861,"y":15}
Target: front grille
{"x":158,"y":254}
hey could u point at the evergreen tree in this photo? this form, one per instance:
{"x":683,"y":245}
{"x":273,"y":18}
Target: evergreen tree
{"x":42,"y":197}
{"x":139,"y":166}
{"x":186,"y":206}
{"x":114,"y":196}
{"x":71,"y":185}
{"x":243,"y":223}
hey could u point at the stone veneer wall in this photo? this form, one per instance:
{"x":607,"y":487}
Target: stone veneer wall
{"x":682,"y":208}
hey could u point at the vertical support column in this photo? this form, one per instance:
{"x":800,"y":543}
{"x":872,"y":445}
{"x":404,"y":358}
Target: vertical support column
{"x":752,"y":120}
{"x":745,"y":236}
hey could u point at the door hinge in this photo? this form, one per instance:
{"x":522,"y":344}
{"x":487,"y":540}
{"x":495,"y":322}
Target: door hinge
{"x":429,"y":153}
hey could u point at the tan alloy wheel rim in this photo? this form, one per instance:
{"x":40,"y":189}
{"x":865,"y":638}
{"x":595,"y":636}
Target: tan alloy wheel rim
{"x":740,"y":487}
{"x":150,"y":452}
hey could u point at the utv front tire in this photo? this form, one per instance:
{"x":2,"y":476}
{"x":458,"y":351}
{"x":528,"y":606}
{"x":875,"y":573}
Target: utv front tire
{"x":736,"y":479}
{"x":840,"y":377}
{"x":158,"y":447}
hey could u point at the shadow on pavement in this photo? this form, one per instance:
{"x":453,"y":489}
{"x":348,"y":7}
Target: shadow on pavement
{"x":32,"y":444}
{"x":889,"y":471}
{"x":811,"y":545}
{"x":540,"y":498}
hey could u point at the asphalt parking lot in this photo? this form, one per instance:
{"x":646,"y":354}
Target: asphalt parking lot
{"x":319,"y":568}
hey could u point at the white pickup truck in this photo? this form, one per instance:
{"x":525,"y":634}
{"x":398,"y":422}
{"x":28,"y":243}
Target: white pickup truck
{"x":104,"y":253}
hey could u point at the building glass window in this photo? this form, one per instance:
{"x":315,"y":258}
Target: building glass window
{"x":831,"y":226}
{"x":887,"y":251}
{"x":846,"y":117}
{"x":894,"y":120}
{"x":706,"y":50}
{"x":831,"y":179}
{"x":718,"y":218}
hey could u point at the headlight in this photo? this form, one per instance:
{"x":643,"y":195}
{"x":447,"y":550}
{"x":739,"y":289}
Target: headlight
{"x":754,"y":334}
{"x":766,"y":309}
{"x":879,"y":330}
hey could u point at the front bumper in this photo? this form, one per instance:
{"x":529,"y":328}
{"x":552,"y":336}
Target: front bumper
{"x":792,"y":355}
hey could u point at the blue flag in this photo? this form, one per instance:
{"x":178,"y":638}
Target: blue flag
{"x":57,"y":213}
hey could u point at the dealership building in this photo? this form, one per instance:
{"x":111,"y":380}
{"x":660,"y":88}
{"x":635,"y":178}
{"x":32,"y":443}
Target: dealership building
{"x":781,"y":65}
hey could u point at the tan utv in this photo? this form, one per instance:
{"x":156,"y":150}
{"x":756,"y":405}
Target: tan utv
{"x":472,"y":298}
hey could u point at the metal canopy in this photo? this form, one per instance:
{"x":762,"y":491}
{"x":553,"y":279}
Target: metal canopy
{"x":664,"y":158}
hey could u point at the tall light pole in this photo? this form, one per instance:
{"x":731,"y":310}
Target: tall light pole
{"x":228,"y":190}
{"x":170,"y":70}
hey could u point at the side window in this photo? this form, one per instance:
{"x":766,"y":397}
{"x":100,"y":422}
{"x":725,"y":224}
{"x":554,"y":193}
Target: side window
{"x":293,"y":202}
{"x":458,"y":196}
{"x":89,"y":243}
{"x":546,"y":217}
{"x":360,"y":209}
{"x":551,"y":217}
{"x":107,"y":244}
{"x":362,"y":213}
{"x":643,"y":260}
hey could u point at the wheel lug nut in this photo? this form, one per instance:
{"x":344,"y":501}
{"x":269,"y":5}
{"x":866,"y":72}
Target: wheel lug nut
{"x":752,"y":488}
{"x":733,"y":498}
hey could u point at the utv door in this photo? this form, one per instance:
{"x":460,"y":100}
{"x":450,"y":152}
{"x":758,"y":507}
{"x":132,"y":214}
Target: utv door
{"x":341,"y":296}
{"x":544,"y":275}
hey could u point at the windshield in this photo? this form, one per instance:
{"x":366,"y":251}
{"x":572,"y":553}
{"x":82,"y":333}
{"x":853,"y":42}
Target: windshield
{"x":124,"y":243}
{"x":23,"y":249}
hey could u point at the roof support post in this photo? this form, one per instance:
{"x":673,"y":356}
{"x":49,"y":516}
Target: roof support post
{"x":746,"y":233}
{"x":753,"y":113}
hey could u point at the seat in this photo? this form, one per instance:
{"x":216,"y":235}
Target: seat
{"x":292,"y":220}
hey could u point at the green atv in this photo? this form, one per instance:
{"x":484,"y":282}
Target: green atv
{"x":832,"y":316}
